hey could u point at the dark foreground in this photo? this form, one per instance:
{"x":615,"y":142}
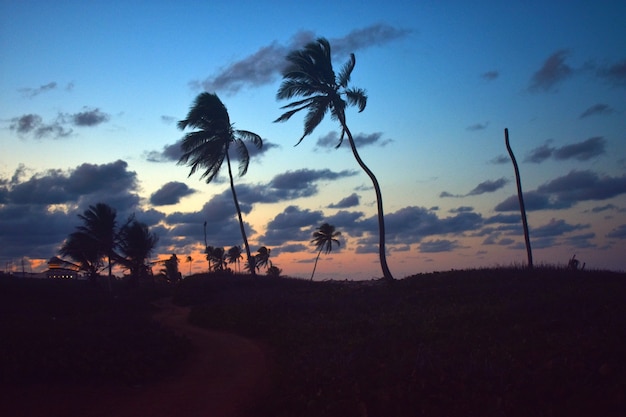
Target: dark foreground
{"x":505,"y":342}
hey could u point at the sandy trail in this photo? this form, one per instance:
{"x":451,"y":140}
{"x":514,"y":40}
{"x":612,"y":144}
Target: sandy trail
{"x":225,"y":375}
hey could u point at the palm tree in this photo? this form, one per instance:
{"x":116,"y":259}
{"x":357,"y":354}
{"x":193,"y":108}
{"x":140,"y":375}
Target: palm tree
{"x":83,"y":250}
{"x":100,"y":224}
{"x":262,"y":258}
{"x":209,"y":145}
{"x":323,"y":239}
{"x":234,"y":255}
{"x":310,"y":74}
{"x":136,"y":244}
{"x":189,"y":260}
{"x":208,"y":250}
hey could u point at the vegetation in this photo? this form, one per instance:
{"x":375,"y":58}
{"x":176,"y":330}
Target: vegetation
{"x":498,"y":342}
{"x":310,"y":74}
{"x":208,"y":146}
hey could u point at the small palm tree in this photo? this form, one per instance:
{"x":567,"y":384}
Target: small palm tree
{"x":234,"y":255}
{"x":84,"y":250}
{"x":323,"y":239}
{"x":262,"y":258}
{"x":136,"y":244}
{"x":208,"y":145}
{"x":189,"y":260}
{"x":310,"y":74}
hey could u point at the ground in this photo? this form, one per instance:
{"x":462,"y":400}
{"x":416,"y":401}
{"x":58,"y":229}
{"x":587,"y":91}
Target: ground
{"x":225,"y":375}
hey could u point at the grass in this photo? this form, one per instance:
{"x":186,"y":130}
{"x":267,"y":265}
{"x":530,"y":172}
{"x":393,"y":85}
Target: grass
{"x":493,"y":342}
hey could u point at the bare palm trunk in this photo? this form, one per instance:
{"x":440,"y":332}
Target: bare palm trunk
{"x":379,"y":201}
{"x":243,"y":231}
{"x":315,"y":265}
{"x":520,"y":197}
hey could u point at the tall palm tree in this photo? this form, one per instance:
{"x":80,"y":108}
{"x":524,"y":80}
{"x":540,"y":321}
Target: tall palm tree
{"x":208,"y":145}
{"x":323,"y":238}
{"x":136,"y":244}
{"x":310,"y":74}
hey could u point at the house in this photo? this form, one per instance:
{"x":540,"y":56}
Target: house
{"x":58,"y":268}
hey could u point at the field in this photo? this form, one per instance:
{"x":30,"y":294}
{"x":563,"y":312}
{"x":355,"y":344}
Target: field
{"x":489,"y":342}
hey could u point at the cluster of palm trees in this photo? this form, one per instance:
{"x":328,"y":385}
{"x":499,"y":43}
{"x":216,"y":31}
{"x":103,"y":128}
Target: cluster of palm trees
{"x":219,"y":259}
{"x":310,"y":75}
{"x":100,"y":243}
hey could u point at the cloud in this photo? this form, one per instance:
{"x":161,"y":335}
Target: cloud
{"x":490,"y":75}
{"x":581,"y":151}
{"x":556,"y":228}
{"x":168,"y":119}
{"x":618,"y":233}
{"x":170,"y":193}
{"x":302,"y":182}
{"x":351,"y":201}
{"x":482,"y":188}
{"x":438,"y":245}
{"x":33,"y":124}
{"x":331,"y":140}
{"x":265,"y":65}
{"x":553,"y":71}
{"x":499,"y":160}
{"x":173,"y":152}
{"x":568,"y":190}
{"x":477,"y":126}
{"x":89,"y":117}
{"x":293,"y":224}
{"x":615,"y":74}
{"x":596,"y":109}
{"x":32,"y":92}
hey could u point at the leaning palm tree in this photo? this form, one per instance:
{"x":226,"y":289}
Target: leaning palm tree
{"x":262,"y":258}
{"x":208,"y":145}
{"x":323,"y":238}
{"x":310,"y":74}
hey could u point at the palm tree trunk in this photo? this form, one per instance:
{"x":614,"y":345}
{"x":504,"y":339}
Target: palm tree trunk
{"x":243,"y":231}
{"x":315,"y":265}
{"x":520,"y":197}
{"x":379,"y":201}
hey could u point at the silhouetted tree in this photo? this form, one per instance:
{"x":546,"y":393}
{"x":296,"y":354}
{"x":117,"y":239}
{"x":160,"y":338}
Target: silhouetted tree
{"x":84,"y":251}
{"x":323,"y":239}
{"x":274,"y":271}
{"x":189,"y":260}
{"x":262,"y":258}
{"x":310,"y":74}
{"x":234,"y":255}
{"x":208,"y":146}
{"x":136,"y":244}
{"x":520,"y":197}
{"x":170,"y":270}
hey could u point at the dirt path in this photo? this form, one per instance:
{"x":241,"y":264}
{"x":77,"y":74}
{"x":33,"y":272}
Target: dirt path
{"x":225,"y":375}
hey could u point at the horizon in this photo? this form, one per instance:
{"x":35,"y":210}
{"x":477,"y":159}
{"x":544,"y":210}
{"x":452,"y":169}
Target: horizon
{"x":90,"y":101}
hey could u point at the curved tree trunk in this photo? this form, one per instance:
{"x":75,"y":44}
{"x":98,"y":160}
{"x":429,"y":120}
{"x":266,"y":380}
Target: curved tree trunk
{"x":379,"y":201}
{"x":243,"y":231}
{"x":315,"y":265}
{"x":520,"y":197}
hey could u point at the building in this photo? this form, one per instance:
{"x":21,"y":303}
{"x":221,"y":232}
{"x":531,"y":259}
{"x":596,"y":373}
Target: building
{"x":60,"y":269}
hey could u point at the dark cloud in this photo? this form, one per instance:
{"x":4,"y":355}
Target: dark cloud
{"x":581,"y":151}
{"x":33,"y":124}
{"x":39,"y":211}
{"x":477,"y":126}
{"x":490,"y":75}
{"x":438,"y":245}
{"x":32,"y":92}
{"x":292,"y":225}
{"x":173,"y":152}
{"x":331,"y":140}
{"x":265,"y":65}
{"x":615,"y":74}
{"x":618,"y":233}
{"x":89,"y":117}
{"x":499,"y":160}
{"x":556,"y":228}
{"x":581,"y":241}
{"x":568,"y":190}
{"x":596,"y":109}
{"x":552,"y":72}
{"x":170,"y":193}
{"x":351,"y":201}
{"x":302,"y":182}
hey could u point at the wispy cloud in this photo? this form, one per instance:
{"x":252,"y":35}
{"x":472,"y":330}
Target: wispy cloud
{"x":331,"y":140}
{"x":265,"y":65}
{"x":581,"y":151}
{"x":553,"y":71}
{"x":32,"y":92}
{"x":596,"y":109}
{"x":33,"y":124}
{"x":477,"y":126}
{"x":482,"y":188}
{"x":438,"y":245}
{"x":350,"y":201}
{"x":615,"y":73}
{"x":490,"y":75}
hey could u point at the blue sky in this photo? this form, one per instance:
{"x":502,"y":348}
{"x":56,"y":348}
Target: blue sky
{"x":90,"y":93}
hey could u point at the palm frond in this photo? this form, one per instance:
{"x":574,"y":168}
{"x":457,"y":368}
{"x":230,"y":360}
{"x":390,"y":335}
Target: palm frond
{"x":244,"y":156}
{"x":346,"y":72}
{"x":356,"y":96}
{"x":252,"y":137}
{"x":317,"y":111}
{"x":207,"y":112}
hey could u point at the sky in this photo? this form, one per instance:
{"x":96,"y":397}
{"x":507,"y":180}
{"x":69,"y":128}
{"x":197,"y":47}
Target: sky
{"x":90,"y":93}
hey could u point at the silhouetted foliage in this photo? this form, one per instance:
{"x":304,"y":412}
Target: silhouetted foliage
{"x":323,"y":239}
